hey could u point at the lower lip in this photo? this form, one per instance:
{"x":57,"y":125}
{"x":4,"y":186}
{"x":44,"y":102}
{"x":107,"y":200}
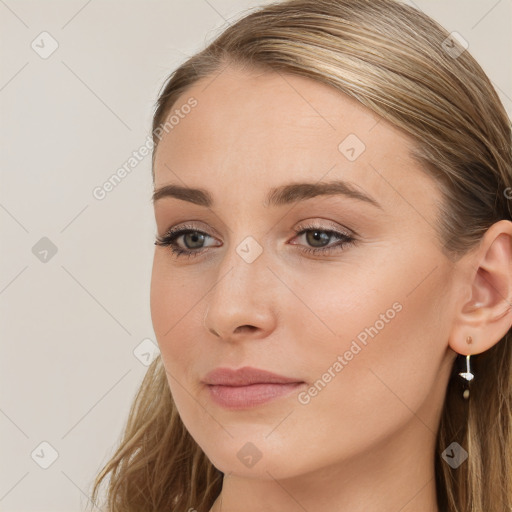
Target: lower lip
{"x":242,"y":397}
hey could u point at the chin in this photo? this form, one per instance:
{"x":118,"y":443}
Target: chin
{"x":266,"y":468}
{"x":248,"y":454}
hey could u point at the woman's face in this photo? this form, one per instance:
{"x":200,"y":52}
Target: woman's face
{"x":360,"y":324}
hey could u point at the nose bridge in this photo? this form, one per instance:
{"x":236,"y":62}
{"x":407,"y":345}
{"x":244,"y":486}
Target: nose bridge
{"x":241,"y":271}
{"x":245,"y":257}
{"x":240,"y":295}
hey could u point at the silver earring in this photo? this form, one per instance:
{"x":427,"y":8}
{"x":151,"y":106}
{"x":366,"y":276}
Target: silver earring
{"x":468,"y":376}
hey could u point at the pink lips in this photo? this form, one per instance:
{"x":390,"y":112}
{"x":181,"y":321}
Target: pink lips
{"x":247,"y":387}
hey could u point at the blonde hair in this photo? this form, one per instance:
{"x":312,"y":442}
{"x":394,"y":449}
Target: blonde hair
{"x":394,"y":60}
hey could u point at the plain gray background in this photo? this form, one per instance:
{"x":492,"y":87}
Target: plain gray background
{"x":76,"y":326}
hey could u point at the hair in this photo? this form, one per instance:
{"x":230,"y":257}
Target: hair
{"x":394,"y":60}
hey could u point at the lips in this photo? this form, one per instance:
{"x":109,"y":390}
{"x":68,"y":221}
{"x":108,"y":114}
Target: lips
{"x":245,"y":377}
{"x":247,"y":387}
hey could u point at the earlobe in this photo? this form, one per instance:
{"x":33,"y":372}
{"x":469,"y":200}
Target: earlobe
{"x":487,"y":316}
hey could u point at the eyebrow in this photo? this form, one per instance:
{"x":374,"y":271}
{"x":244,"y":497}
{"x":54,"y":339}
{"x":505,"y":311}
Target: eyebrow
{"x":278,"y":196}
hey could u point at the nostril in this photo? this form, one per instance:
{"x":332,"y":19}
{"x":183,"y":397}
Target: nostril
{"x":245,"y":327}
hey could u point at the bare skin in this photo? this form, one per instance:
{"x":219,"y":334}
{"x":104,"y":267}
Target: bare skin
{"x":366,"y":440}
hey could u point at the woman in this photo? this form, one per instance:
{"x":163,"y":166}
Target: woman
{"x":332,"y":277}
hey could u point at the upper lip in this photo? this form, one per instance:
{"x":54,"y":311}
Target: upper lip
{"x":244,"y":377}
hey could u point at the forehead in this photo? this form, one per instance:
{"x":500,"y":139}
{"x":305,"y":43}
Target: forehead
{"x":254,"y":129}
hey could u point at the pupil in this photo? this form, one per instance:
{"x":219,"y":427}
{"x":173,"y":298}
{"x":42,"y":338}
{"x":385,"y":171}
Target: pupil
{"x":195,"y":238}
{"x":318,"y":236}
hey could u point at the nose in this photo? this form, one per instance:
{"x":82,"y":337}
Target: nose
{"x":241,"y":302}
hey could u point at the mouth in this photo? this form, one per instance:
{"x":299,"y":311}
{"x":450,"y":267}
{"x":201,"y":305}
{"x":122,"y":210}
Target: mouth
{"x":248,"y":387}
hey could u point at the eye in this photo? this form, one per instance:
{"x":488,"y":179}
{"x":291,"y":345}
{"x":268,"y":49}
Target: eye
{"x":318,"y":238}
{"x":192,"y":238}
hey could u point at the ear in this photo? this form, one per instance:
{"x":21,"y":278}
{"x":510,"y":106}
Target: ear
{"x":485,"y":310}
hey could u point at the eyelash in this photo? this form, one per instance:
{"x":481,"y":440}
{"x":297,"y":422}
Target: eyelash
{"x":169,"y":240}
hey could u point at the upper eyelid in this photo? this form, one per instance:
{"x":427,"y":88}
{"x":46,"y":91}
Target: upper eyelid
{"x":301,"y":225}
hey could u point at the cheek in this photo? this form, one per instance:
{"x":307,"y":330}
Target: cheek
{"x":176,"y":313}
{"x":175,"y":296}
{"x":384,"y":361}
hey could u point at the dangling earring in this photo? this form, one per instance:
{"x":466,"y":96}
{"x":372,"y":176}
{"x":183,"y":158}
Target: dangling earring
{"x":467,"y":375}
